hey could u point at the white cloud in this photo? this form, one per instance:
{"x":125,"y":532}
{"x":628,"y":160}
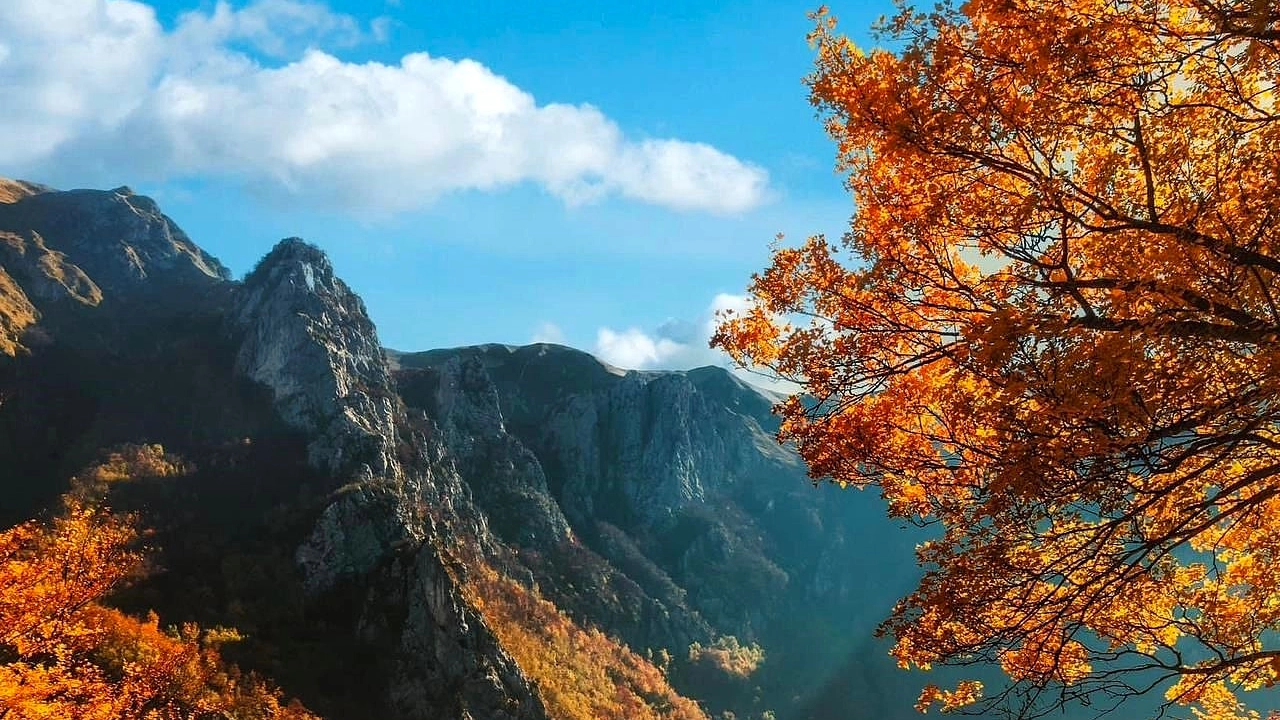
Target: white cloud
{"x":724,"y":303}
{"x":634,"y":349}
{"x":108,"y":94}
{"x":548,"y":333}
{"x":73,"y":68}
{"x":682,"y":345}
{"x":674,"y":345}
{"x":274,"y":27}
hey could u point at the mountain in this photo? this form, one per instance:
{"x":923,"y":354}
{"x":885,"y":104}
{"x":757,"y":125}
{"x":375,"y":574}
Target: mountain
{"x":277,"y":389}
{"x":413,"y":535}
{"x":658,"y":505}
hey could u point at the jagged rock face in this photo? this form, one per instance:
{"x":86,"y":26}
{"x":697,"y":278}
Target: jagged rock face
{"x":674,"y":479}
{"x":631,"y":448}
{"x":651,"y":446}
{"x":464,"y":402}
{"x":309,"y":339}
{"x":354,"y":533}
{"x":415,"y":604}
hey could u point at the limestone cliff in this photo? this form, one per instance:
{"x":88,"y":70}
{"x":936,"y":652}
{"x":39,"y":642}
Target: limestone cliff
{"x":464,"y":405}
{"x":309,"y":339}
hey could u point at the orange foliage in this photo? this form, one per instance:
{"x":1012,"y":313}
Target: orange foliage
{"x":728,"y":655}
{"x":130,"y":461}
{"x":580,"y":673}
{"x":65,"y":655}
{"x":1053,"y":332}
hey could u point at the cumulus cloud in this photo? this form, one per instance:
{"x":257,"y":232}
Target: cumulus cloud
{"x":635,"y":349}
{"x":674,"y":345}
{"x":276,"y":28}
{"x":107,"y":92}
{"x":72,"y":69}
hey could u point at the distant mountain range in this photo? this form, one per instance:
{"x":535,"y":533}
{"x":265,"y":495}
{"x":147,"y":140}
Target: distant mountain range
{"x":347,"y":503}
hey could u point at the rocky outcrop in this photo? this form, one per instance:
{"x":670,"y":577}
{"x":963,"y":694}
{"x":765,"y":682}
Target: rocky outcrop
{"x":464,"y":404}
{"x":448,"y":664}
{"x":309,"y":339}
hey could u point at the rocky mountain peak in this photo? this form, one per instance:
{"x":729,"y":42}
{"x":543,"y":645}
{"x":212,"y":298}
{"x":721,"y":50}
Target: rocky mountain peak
{"x":308,"y":338}
{"x":295,"y":252}
{"x":63,"y":252}
{"x":116,"y":237}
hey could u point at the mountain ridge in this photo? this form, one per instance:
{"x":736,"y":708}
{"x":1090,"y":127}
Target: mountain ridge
{"x":339,"y":483}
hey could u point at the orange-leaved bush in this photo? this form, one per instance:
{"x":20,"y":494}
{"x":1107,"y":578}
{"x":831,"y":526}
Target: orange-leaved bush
{"x":63,"y":654}
{"x":728,"y":655}
{"x":1052,"y":331}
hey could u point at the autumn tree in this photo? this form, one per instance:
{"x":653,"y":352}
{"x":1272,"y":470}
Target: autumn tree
{"x":728,"y":655}
{"x":1052,"y":332}
{"x":65,"y":654}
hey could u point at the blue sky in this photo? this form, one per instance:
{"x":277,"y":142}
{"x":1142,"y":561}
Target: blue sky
{"x":598,"y":174}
